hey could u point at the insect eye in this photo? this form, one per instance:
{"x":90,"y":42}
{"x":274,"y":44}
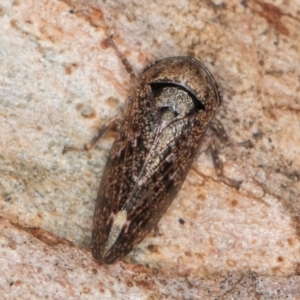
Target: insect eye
{"x":164,"y":109}
{"x":169,"y":110}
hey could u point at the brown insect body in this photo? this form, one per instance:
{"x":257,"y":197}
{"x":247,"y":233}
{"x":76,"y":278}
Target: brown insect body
{"x":163,"y":129}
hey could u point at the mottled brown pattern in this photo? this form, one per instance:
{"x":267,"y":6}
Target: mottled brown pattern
{"x":162,"y":132}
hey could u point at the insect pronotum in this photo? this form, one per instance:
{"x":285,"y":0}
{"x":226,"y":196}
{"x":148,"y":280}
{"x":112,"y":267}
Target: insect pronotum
{"x":169,"y":120}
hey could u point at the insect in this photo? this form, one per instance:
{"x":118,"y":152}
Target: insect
{"x":169,"y":120}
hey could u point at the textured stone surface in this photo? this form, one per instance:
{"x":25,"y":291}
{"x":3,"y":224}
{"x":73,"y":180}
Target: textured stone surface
{"x":38,"y":265}
{"x":59,"y":81}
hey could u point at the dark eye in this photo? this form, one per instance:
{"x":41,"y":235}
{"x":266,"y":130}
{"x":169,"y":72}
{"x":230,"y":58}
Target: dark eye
{"x":164,"y":109}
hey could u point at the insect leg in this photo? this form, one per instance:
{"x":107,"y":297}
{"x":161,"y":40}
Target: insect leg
{"x":123,"y":59}
{"x":219,"y":166}
{"x":220,"y":132}
{"x":87,"y":147}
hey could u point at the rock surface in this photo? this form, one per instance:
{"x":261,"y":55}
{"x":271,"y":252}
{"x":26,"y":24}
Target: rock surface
{"x":60,"y":81}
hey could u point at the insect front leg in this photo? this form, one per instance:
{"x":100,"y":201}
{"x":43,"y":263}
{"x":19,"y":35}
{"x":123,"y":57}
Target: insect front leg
{"x":220,"y":133}
{"x":115,"y":120}
{"x":213,"y":149}
{"x":87,"y":147}
{"x":124,"y":60}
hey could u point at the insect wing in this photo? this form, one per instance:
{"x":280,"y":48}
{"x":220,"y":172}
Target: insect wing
{"x":123,"y":166}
